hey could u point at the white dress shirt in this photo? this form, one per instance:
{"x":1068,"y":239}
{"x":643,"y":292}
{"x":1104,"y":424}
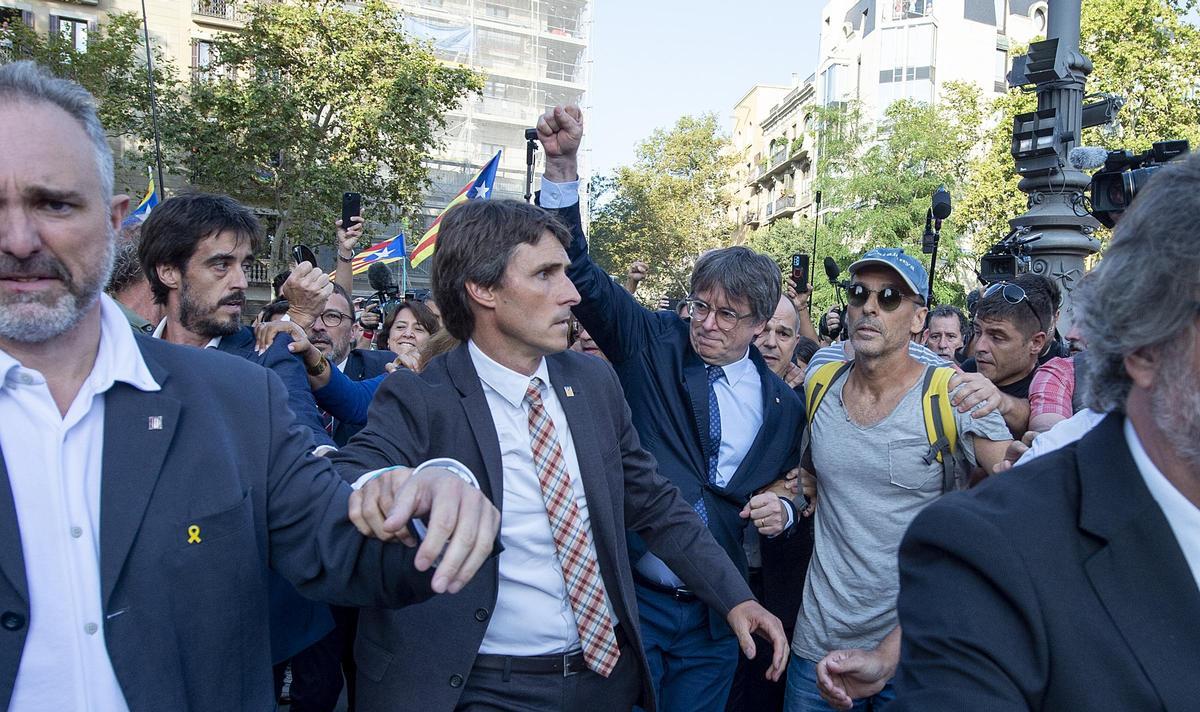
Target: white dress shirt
{"x":54,"y":469}
{"x":739,"y":400}
{"x":1182,"y":515}
{"x":532,"y":615}
{"x":213,"y":343}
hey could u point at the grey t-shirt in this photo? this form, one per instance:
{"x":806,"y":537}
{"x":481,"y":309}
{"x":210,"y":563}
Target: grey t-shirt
{"x":871,"y":483}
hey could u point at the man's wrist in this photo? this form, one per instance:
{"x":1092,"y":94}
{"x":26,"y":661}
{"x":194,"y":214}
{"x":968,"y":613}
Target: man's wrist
{"x":561,"y":169}
{"x":300,"y":318}
{"x":316,"y":369}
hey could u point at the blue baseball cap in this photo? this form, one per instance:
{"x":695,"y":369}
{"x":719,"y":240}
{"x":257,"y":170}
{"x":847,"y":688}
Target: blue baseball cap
{"x":908,"y":267}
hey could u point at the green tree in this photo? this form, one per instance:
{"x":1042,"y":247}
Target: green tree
{"x":668,"y":207}
{"x":113,"y":69}
{"x":311,"y":99}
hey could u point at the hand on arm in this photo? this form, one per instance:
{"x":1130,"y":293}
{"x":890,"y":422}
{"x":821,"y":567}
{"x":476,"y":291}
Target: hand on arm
{"x":1014,"y":451}
{"x":314,"y":362}
{"x":977,"y":389}
{"x":768,"y":513}
{"x":844,"y":676}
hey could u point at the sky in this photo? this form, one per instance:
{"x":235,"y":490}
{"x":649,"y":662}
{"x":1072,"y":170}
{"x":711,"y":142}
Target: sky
{"x":656,"y":60}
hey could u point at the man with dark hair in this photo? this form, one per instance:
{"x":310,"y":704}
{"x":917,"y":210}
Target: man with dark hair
{"x":1012,"y":322}
{"x":947,"y":331}
{"x":551,"y":623}
{"x":720,"y":423}
{"x":144,"y":486}
{"x":1073,"y":582}
{"x":195,"y":251}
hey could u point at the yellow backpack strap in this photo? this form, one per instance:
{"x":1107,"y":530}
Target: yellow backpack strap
{"x":818,"y":385}
{"x":941,"y":428}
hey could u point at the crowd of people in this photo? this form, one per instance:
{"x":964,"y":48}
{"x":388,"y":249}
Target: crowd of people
{"x":526,"y":490}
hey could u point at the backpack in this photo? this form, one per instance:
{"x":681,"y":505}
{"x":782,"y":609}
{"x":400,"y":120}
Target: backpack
{"x":940,"y":426}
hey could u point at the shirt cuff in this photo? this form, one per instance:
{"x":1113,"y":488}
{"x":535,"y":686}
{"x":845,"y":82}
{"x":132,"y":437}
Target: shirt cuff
{"x":558,"y":195}
{"x":443,"y":462}
{"x":323,"y":450}
{"x":789,"y":518}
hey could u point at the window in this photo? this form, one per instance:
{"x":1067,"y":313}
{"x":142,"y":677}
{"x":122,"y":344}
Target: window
{"x":832,"y":91}
{"x":909,"y":9}
{"x":73,"y":31}
{"x":906,"y":64}
{"x":204,"y":54}
{"x":496,"y":11}
{"x":1001,"y":65}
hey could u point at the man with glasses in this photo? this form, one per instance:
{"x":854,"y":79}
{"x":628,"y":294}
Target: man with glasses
{"x":1012,"y":323}
{"x":705,"y":404}
{"x":870,"y":453}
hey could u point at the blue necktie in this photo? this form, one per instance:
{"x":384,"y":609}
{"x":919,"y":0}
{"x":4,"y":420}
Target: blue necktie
{"x":714,"y":436}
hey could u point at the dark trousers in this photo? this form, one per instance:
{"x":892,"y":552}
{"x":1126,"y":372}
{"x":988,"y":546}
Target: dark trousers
{"x":752,"y":691}
{"x":497,"y":691}
{"x":689,"y":668}
{"x":345,"y":621}
{"x":316,"y":675}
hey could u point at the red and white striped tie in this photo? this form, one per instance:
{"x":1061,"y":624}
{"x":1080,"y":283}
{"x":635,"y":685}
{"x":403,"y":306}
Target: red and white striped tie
{"x":585,"y":589}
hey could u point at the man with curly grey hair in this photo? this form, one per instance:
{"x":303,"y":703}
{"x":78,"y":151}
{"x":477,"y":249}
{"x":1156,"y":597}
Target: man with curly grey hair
{"x":1073,"y":582}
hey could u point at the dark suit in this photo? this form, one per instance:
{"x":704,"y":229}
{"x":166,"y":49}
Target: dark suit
{"x":289,"y":369}
{"x":420,"y":657}
{"x":1056,"y":586}
{"x":666,"y":385}
{"x":186,"y":623}
{"x":361,"y":365}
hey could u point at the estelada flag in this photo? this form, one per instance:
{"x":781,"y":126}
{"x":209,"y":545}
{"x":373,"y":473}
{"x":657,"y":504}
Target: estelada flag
{"x":385,"y":252}
{"x":479,"y":187}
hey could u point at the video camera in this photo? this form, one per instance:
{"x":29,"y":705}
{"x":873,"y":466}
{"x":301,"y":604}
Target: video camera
{"x":1124,"y":174}
{"x":1007,"y":258}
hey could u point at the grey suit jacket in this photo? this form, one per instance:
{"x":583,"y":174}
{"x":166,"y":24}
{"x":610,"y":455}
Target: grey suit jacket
{"x":1056,"y":586}
{"x":186,"y":623}
{"x":419,"y":657}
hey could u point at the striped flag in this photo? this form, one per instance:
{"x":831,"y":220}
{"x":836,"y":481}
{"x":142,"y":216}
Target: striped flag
{"x":142,"y":211}
{"x":479,"y":187}
{"x":383,"y":253}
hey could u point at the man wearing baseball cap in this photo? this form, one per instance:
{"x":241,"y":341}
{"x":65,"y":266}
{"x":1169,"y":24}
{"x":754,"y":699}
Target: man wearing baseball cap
{"x":847,"y":639}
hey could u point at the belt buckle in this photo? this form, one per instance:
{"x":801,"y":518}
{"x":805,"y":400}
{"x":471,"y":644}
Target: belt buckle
{"x":681,"y":594}
{"x":566,"y":665}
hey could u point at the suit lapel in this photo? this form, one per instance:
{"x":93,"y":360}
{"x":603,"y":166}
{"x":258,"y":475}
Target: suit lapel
{"x":479,"y":416}
{"x":695,"y":384}
{"x":1140,"y":575}
{"x":12,"y":559}
{"x":138,"y":430}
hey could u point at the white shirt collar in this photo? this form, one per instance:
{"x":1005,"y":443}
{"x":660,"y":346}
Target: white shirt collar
{"x":739,"y":369}
{"x":503,"y":380}
{"x":213,"y":343}
{"x":118,"y":357}
{"x":1175,"y":506}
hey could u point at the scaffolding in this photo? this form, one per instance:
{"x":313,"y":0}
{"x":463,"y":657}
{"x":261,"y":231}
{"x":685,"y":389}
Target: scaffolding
{"x":534,"y":54}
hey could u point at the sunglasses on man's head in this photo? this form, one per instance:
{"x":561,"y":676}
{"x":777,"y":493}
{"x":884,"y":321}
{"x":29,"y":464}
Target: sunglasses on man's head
{"x":889,"y":297}
{"x":1013,"y":294}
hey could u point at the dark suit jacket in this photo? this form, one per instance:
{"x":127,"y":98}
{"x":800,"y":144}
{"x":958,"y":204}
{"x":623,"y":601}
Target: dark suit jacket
{"x":361,"y":365}
{"x":289,"y":369}
{"x":186,"y":624}
{"x":419,"y":657}
{"x":1056,"y":586}
{"x":667,"y":389}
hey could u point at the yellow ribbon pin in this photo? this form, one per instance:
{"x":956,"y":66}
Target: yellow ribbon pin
{"x":193,"y":534}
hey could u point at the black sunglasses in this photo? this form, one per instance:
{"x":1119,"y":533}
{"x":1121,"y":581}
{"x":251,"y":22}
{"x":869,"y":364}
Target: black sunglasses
{"x":889,"y":297}
{"x":1013,"y":294}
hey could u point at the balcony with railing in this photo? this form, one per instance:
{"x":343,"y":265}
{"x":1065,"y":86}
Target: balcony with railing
{"x":224,"y":13}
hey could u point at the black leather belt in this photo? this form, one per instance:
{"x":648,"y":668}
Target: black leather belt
{"x":565,"y":664}
{"x":682,"y":595}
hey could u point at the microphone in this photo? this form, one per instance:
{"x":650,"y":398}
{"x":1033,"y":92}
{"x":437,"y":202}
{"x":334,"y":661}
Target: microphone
{"x":832,"y":270}
{"x":381,"y":279}
{"x":1085,"y":158}
{"x":941,"y":204}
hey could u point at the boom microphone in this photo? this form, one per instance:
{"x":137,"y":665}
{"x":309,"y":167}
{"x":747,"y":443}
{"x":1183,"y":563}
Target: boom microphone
{"x":832,"y":270}
{"x":381,"y":279}
{"x":1085,"y":158}
{"x":941,"y":204}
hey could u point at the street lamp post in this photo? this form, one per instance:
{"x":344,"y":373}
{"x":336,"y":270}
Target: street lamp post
{"x":1041,"y":142}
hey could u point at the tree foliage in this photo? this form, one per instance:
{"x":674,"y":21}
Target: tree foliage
{"x":668,"y":207}
{"x":311,"y":99}
{"x":112,"y":68}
